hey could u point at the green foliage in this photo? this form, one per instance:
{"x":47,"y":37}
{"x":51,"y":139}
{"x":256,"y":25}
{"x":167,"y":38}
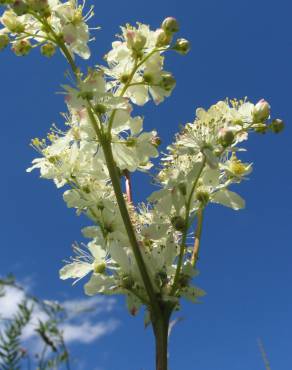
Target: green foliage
{"x":11,"y":352}
{"x":54,"y":353}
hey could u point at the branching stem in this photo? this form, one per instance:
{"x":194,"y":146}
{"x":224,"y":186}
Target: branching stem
{"x":186,"y":228}
{"x":198,"y":233}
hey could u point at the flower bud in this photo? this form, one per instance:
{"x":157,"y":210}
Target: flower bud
{"x":226,"y":137}
{"x":261,"y":111}
{"x":167,"y":81}
{"x":124,"y":78}
{"x":39,"y":6}
{"x":11,"y":22}
{"x":155,"y":140}
{"x":100,"y":108}
{"x":182,"y":46}
{"x":203,"y":197}
{"x":127,"y":282}
{"x":184,"y":280}
{"x":170,"y":25}
{"x":182,"y":188}
{"x":4,"y":41}
{"x":48,"y":50}
{"x":277,"y":125}
{"x":178,"y":223}
{"x":21,"y":47}
{"x":162,"y":276}
{"x":135,"y":40}
{"x":163,"y":38}
{"x":20,"y":7}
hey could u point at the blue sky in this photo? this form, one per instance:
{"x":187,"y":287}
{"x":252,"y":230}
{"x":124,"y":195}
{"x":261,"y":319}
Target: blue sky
{"x":239,"y":48}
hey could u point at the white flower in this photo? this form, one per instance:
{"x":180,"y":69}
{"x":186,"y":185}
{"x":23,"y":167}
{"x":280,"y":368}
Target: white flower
{"x":85,"y":262}
{"x":125,"y":61}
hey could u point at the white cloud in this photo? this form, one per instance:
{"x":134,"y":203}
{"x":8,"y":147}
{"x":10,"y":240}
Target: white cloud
{"x":9,"y":302}
{"x":90,"y":305}
{"x":81,"y":325}
{"x":88,"y":332}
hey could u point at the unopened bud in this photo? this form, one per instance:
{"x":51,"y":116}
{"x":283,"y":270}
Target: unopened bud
{"x":39,"y":6}
{"x":182,"y":188}
{"x":182,"y":46}
{"x":4,"y":41}
{"x":11,"y":22}
{"x":277,"y":125}
{"x":261,"y":111}
{"x":127,"y":282}
{"x":135,"y":40}
{"x":203,"y":197}
{"x":162,"y":276}
{"x":20,"y":7}
{"x":100,"y":108}
{"x":155,"y":140}
{"x":167,"y":81}
{"x":21,"y":47}
{"x":124,"y":78}
{"x":48,"y":50}
{"x":163,"y":38}
{"x":178,"y":223}
{"x":170,"y":25}
{"x":226,"y":137}
{"x":184,"y":280}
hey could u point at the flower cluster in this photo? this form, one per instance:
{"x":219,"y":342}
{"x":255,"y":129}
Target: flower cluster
{"x":45,"y":23}
{"x":136,"y":61}
{"x":203,"y":162}
{"x":100,"y":109}
{"x":146,"y":252}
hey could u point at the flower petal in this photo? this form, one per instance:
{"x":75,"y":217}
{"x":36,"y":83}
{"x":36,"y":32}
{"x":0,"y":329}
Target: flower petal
{"x":229,"y":199}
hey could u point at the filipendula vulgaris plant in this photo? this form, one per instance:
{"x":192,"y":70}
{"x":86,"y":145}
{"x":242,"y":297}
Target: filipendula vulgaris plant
{"x":142,"y":251}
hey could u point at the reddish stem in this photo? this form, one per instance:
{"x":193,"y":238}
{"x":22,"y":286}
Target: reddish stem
{"x":128,"y":186}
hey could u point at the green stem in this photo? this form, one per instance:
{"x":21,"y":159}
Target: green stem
{"x":105,"y":141}
{"x":196,"y":250}
{"x":160,"y":327}
{"x":60,"y":43}
{"x":129,"y":82}
{"x":186,"y":228}
{"x":115,"y":179}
